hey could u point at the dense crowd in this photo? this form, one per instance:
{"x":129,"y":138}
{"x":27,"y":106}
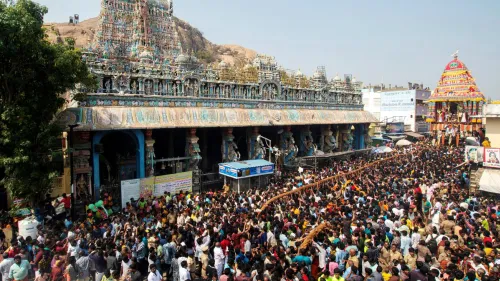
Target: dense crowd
{"x":410,"y":218}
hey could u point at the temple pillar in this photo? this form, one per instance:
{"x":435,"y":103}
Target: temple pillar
{"x":347,"y":138}
{"x":306,"y":146}
{"x":229,"y":148}
{"x":150,"y":153}
{"x":82,"y":172}
{"x":287,"y":146}
{"x":256,"y":148}
{"x":204,"y":150}
{"x":327,"y":142}
{"x":192,"y":150}
{"x":155,"y":87}
{"x":141,"y":86}
{"x":359,"y":136}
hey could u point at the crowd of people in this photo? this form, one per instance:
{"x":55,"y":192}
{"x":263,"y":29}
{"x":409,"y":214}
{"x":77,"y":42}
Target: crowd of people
{"x":409,"y":218}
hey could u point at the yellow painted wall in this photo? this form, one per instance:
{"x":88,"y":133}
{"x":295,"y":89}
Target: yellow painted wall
{"x":493,"y":130}
{"x":62,"y":184}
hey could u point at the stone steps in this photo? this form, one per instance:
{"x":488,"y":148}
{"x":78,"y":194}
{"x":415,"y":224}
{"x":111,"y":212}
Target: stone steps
{"x":474,"y":180}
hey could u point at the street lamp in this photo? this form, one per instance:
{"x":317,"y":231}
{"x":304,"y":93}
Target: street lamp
{"x":71,"y":169}
{"x":268,"y":143}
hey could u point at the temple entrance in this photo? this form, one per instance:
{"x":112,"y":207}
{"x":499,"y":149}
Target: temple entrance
{"x":118,"y":159}
{"x":117,"y":156}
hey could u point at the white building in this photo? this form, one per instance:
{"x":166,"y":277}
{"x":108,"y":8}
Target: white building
{"x":398,"y":104}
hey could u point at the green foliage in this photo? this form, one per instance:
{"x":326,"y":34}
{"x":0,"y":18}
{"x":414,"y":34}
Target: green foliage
{"x":34,"y":75}
{"x":205,"y":56}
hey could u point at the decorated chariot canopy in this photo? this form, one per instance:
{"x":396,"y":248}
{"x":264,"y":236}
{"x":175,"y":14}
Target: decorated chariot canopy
{"x":456,"y":99}
{"x":456,"y":84}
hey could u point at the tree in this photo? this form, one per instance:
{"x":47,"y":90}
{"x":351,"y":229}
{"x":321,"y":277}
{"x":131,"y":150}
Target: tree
{"x":34,"y":75}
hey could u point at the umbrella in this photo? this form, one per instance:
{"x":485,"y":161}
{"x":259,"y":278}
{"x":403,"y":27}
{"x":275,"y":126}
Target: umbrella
{"x":403,"y":143}
{"x":383,"y":150}
{"x":471,"y":141}
{"x":387,"y":149}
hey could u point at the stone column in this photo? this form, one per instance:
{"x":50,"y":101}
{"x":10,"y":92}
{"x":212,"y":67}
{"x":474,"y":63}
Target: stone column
{"x":229,"y":149}
{"x":81,"y":166}
{"x":150,"y":153}
{"x":192,"y":150}
{"x":205,"y":149}
{"x":256,"y":150}
{"x":306,"y":147}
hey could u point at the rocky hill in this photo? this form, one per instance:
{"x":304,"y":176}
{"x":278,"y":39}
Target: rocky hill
{"x":191,"y":39}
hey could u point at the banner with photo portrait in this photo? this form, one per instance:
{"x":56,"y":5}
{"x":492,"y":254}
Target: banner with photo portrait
{"x":492,"y":157}
{"x":474,"y":154}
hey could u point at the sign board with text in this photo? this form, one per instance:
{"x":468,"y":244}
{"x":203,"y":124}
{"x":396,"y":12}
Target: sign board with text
{"x":156,"y":186}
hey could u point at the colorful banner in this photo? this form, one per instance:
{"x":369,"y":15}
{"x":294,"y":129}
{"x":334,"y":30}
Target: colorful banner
{"x":174,"y":183}
{"x":156,"y":186}
{"x":474,"y":153}
{"x":147,"y":187}
{"x":395,"y":128}
{"x":492,"y":157}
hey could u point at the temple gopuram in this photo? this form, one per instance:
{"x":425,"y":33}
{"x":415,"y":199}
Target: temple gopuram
{"x":454,"y":104}
{"x":158,"y":110}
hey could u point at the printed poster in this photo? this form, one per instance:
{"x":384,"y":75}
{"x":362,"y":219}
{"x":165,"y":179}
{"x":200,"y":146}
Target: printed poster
{"x":155,"y":186}
{"x":130,"y":189}
{"x":492,"y":157}
{"x":474,"y":154}
{"x":147,"y":187}
{"x":174,"y":183}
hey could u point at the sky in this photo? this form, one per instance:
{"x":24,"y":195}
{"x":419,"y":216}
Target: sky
{"x":389,"y":41}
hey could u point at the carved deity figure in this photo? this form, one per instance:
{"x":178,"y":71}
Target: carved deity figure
{"x":347,"y":140}
{"x":82,"y":187}
{"x":259,"y":150}
{"x":107,"y":85}
{"x":229,"y":149}
{"x":290,"y":152}
{"x":160,"y":88}
{"x":175,"y":89}
{"x":306,"y":144}
{"x":148,"y":87}
{"x":328,"y":142}
{"x":288,"y":149}
{"x":123,"y":83}
{"x":192,"y":150}
{"x":310,"y":146}
{"x":134,"y":87}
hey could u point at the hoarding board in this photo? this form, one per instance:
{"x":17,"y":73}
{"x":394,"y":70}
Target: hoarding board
{"x":492,"y":157}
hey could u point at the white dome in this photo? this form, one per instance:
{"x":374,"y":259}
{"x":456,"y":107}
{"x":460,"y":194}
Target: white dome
{"x":298,"y":73}
{"x":337,"y":78}
{"x":181,"y":59}
{"x":317,"y":75}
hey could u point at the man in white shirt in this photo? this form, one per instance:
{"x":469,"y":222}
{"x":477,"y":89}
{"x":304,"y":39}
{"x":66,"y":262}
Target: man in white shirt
{"x":321,"y":256}
{"x":183,"y":272}
{"x":5,"y":266}
{"x":219,"y":258}
{"x":154,"y":274}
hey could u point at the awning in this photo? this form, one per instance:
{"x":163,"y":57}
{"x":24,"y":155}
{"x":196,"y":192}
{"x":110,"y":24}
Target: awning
{"x":415,"y":135}
{"x":116,"y":117}
{"x":489,"y":181}
{"x":396,"y":138}
{"x":246,"y":169}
